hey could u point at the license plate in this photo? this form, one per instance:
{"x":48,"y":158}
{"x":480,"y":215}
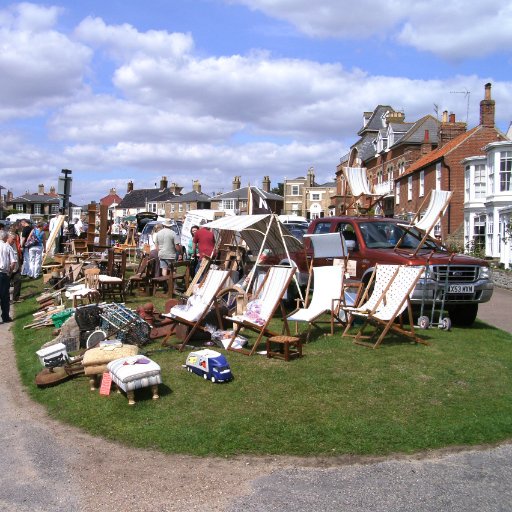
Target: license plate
{"x":461,"y":288}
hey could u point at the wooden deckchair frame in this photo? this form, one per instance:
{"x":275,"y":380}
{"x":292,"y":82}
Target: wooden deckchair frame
{"x":387,"y":325}
{"x":434,"y":197}
{"x":262,"y":330}
{"x":357,"y":194}
{"x":197,"y":324}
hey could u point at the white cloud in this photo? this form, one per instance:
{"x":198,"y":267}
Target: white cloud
{"x":123,"y":41}
{"x":452,"y":29}
{"x":40,"y":67}
{"x":105,"y":119}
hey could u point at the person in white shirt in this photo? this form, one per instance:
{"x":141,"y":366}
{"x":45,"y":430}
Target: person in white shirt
{"x":8,"y":262}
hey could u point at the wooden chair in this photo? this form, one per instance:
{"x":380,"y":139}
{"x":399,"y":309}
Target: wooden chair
{"x":89,"y":293}
{"x":386,"y":303}
{"x":175,"y":277}
{"x":267,"y":298}
{"x":199,"y":304}
{"x":143,"y":275}
{"x":112,"y":285}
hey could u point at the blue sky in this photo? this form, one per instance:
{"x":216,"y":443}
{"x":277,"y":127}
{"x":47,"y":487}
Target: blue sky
{"x":212,"y":89}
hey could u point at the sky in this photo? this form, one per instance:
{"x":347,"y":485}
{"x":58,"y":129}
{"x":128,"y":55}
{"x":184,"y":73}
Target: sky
{"x":123,"y":90}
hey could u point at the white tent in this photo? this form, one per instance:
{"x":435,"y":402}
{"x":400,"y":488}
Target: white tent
{"x":261,"y":233}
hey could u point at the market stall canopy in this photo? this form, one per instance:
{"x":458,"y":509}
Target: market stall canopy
{"x":253,"y":228}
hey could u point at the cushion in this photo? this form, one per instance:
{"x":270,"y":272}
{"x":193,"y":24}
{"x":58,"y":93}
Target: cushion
{"x":98,"y":356}
{"x":109,"y":279}
{"x":129,"y":369}
{"x":96,"y":369}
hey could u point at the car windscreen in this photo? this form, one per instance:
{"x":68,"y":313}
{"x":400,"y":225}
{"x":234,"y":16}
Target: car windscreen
{"x":385,"y":235}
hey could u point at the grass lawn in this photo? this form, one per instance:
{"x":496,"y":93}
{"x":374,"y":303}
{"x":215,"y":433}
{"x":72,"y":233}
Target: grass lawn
{"x":338,"y":399}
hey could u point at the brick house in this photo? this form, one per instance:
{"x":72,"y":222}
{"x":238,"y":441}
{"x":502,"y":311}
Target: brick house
{"x":39,"y":205}
{"x":387,"y":146}
{"x":443,"y":168}
{"x":235,"y":202}
{"x":177,"y":207}
{"x":306,"y":198}
{"x":146,"y":199}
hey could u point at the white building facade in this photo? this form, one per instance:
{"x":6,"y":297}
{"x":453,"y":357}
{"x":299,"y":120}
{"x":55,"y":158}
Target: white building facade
{"x":488,"y":202}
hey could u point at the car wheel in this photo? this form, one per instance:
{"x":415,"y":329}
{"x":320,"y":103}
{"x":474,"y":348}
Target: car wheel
{"x":463,"y":315}
{"x":205,"y":376}
{"x":214,"y":380}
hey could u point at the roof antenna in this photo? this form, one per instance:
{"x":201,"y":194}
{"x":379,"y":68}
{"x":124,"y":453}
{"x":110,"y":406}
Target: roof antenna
{"x":466,"y":95}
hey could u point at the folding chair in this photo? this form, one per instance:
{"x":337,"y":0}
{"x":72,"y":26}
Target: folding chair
{"x":262,"y":306}
{"x":390,"y":304}
{"x":438,"y":204}
{"x":199,"y":304}
{"x":329,"y":292}
{"x":327,"y":297}
{"x":356,"y":181}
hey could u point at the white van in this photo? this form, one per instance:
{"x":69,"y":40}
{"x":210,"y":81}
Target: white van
{"x":14,"y":217}
{"x":197,"y":218}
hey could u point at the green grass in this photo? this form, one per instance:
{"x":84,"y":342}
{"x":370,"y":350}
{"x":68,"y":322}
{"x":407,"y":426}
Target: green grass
{"x":339,"y":399}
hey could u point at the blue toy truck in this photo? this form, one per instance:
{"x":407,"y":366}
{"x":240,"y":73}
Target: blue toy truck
{"x":210,"y":364}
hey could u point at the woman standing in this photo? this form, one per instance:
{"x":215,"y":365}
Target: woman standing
{"x":35,"y":250}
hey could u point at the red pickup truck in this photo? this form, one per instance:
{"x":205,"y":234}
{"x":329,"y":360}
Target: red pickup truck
{"x":371,"y":240}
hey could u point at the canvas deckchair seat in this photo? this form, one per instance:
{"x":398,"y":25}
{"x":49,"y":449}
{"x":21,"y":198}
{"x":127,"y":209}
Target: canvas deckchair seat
{"x":269,"y":296}
{"x":202,"y":299}
{"x":389,"y":304}
{"x":199,"y":304}
{"x":438,"y":203}
{"x":358,"y":181}
{"x":328,"y":286}
{"x":383,"y":276}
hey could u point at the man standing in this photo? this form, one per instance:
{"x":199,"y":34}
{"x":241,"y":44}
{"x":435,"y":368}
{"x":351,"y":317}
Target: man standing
{"x":205,"y":239}
{"x":168,"y":249}
{"x":25,"y":232}
{"x":13,"y":241}
{"x":7,"y":266}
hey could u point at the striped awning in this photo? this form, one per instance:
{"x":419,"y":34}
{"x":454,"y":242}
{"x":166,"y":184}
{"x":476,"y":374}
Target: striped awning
{"x":252,"y":229}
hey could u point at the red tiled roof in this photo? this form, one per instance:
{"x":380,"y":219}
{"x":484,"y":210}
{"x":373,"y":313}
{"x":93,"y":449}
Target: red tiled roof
{"x":110,"y":199}
{"x":439,"y":153}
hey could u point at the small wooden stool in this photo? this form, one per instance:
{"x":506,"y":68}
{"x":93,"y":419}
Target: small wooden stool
{"x":286,"y":342}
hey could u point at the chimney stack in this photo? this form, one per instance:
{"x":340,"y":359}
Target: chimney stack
{"x":40,"y":190}
{"x":196,"y":186}
{"x":52,"y":191}
{"x":426,"y":146}
{"x":9,"y":196}
{"x":163,"y":183}
{"x":266,"y":184}
{"x":449,"y":128}
{"x":310,"y":180}
{"x":129,"y":188}
{"x":487,"y":108}
{"x":236,"y":183}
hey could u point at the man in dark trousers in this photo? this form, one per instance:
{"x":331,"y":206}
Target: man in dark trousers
{"x":8,"y":262}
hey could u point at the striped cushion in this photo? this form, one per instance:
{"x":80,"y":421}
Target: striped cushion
{"x":125,"y":373}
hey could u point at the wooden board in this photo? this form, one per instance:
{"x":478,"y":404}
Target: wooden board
{"x":53,"y":236}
